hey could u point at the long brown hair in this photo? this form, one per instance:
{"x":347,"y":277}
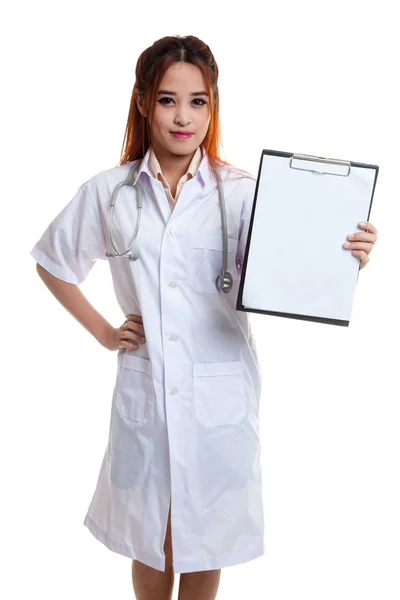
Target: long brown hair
{"x":150,"y":68}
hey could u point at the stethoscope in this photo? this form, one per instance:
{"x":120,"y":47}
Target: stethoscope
{"x":224,"y":281}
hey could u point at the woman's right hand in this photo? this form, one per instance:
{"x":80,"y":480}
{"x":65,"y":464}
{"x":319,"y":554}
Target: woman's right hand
{"x":129,"y":335}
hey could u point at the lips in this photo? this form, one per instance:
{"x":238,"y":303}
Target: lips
{"x":181,"y":135}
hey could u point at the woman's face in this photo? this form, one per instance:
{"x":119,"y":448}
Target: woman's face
{"x":183,"y":105}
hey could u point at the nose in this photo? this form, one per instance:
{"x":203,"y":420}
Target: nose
{"x":182,"y":116}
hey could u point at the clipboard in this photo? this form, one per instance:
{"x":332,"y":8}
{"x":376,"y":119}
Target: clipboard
{"x":304,"y":207}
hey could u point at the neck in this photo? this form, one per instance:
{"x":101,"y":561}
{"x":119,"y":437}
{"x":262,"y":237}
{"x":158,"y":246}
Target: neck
{"x":173,"y":166}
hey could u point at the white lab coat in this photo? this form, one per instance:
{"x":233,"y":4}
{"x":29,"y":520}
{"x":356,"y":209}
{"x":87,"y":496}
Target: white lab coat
{"x":185,"y":407}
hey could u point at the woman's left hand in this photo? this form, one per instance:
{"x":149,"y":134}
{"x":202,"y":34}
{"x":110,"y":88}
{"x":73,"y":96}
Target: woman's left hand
{"x":362,"y":242}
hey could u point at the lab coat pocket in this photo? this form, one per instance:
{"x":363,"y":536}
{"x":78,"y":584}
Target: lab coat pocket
{"x":219,"y":393}
{"x":205,"y":261}
{"x":135,"y":389}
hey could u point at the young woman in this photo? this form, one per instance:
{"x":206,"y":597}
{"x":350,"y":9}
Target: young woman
{"x":179,"y":488}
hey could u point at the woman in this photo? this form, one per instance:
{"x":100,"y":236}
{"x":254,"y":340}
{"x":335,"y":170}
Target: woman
{"x":179,"y":489}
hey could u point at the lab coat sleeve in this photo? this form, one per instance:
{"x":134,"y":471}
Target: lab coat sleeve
{"x":75,"y":239}
{"x":249,"y":186}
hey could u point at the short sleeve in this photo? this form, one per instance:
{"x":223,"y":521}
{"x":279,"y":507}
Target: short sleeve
{"x":249,"y":188}
{"x":75,"y":239}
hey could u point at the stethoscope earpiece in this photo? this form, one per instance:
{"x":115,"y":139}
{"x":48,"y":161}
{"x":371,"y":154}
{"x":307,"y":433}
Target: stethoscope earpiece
{"x":130,"y":256}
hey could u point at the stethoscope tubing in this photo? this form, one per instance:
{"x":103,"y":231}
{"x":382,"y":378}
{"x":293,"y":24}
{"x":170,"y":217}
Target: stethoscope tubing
{"x":224,"y":281}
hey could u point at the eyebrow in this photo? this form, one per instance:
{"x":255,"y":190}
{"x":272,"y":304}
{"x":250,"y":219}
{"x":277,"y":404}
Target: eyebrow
{"x":174,"y":93}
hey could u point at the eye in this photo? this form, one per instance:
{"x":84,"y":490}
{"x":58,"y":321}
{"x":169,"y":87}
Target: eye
{"x":165,"y":98}
{"x":161,"y":101}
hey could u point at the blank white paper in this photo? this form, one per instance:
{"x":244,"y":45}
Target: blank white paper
{"x":296,"y":261}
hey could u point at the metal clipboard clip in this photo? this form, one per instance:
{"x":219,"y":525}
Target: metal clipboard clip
{"x":321,"y":159}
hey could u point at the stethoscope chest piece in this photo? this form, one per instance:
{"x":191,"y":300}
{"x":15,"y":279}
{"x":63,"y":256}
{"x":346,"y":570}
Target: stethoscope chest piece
{"x":224,"y":282}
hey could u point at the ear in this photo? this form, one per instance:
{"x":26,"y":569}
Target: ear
{"x":139,"y":105}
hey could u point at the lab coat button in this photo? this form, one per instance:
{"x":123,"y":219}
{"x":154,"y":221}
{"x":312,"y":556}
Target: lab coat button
{"x":170,"y":232}
{"x":172,"y":284}
{"x":173,"y":338}
{"x":173,"y":391}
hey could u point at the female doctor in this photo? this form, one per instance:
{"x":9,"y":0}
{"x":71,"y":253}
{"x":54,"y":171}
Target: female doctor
{"x":179,"y":488}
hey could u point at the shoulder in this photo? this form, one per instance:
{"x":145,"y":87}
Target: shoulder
{"x":93,"y":195}
{"x":107,"y":179}
{"x":241,"y":180}
{"x":240,"y":183}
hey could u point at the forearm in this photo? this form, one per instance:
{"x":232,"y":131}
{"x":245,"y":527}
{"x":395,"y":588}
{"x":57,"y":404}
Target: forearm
{"x":73,"y":300}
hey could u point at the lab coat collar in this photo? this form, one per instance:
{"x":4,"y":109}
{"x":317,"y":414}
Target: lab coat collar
{"x":156,"y":170}
{"x":203,"y":172}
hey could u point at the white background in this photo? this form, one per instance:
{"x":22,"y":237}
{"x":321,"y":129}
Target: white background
{"x":307,"y":77}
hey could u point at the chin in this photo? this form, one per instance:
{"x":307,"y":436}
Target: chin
{"x":182,"y":149}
